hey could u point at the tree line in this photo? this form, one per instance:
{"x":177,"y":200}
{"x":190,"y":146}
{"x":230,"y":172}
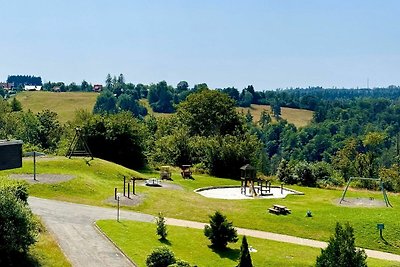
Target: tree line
{"x":355,"y":136}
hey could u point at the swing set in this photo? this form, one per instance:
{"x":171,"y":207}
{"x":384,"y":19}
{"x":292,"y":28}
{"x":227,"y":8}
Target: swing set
{"x":382,"y":188}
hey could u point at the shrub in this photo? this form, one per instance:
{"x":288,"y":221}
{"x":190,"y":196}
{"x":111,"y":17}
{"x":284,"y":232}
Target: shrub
{"x":220,"y":231}
{"x":341,"y":250}
{"x":284,"y":172}
{"x":304,"y":174}
{"x":18,"y":229}
{"x":160,"y":257}
{"x":161,"y":226}
{"x":17,"y":188}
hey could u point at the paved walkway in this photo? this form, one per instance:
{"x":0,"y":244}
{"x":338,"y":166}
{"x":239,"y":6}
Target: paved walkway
{"x":72,"y":225}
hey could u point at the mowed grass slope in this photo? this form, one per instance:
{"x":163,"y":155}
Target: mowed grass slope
{"x":299,"y":117}
{"x":64,"y":103}
{"x":138,"y":239}
{"x":95,"y":182}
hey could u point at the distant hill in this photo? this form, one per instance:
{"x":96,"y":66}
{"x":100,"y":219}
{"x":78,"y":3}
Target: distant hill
{"x":299,"y":117}
{"x":64,"y":104}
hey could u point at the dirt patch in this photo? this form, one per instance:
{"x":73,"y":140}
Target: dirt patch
{"x":134,"y":200}
{"x":43,"y":178}
{"x":162,"y":185}
{"x":362,"y":202}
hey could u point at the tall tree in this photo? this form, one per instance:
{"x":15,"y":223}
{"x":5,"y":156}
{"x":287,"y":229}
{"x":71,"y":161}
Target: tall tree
{"x":209,"y":113}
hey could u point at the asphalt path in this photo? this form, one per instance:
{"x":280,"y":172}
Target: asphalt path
{"x":73,"y":227}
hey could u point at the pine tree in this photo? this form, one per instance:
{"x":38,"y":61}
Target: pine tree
{"x":341,"y":250}
{"x":245,"y":258}
{"x":161,"y":227}
{"x":220,"y":231}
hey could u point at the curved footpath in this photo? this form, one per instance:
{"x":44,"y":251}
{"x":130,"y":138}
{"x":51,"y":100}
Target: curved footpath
{"x":73,"y":227}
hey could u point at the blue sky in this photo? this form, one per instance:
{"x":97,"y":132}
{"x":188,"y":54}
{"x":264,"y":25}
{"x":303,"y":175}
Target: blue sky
{"x":270,"y":44}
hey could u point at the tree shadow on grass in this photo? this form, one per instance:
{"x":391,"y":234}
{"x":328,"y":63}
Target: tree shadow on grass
{"x":165,"y":242}
{"x":232,"y":254}
{"x":19,"y":259}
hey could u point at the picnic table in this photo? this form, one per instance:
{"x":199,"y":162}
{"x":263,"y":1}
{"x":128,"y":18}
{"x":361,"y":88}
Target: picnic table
{"x":279,"y":209}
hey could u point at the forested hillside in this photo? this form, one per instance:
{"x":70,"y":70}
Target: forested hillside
{"x":353,"y":132}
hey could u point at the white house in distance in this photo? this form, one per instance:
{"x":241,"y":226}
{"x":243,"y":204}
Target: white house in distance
{"x":32,"y":87}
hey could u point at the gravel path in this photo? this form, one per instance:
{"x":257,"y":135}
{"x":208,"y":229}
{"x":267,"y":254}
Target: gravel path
{"x":43,"y":178}
{"x":73,"y":226}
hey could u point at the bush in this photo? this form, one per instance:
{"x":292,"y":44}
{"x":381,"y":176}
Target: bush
{"x":160,"y":257}
{"x":304,"y":174}
{"x":18,"y":229}
{"x":19,"y":189}
{"x":220,"y":231}
{"x":341,"y":250}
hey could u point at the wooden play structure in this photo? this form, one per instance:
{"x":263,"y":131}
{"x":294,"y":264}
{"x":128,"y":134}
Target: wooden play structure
{"x":255,"y":185}
{"x":186,"y":172}
{"x":165,"y":173}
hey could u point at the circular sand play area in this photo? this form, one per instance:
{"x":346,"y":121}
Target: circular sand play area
{"x":361,"y":202}
{"x":43,"y":178}
{"x":234,"y":192}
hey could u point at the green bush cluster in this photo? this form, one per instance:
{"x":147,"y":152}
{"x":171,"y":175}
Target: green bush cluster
{"x":18,"y":228}
{"x":307,"y":174}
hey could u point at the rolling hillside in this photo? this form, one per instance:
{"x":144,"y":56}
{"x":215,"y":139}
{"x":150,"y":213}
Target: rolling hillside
{"x":64,"y":104}
{"x":299,"y":117}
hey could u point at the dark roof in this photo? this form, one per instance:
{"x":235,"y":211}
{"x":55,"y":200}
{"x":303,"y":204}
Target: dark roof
{"x":247,"y":167}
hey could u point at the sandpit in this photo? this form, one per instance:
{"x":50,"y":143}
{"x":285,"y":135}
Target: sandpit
{"x":361,"y":202}
{"x":43,"y":178}
{"x":234,"y":192}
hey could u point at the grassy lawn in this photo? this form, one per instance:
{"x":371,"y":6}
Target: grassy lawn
{"x":64,"y":104}
{"x":138,"y":239}
{"x":95,"y":182}
{"x":299,"y":117}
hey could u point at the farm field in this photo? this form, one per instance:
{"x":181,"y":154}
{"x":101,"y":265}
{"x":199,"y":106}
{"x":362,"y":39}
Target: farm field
{"x":138,"y":239}
{"x":299,"y":117}
{"x":64,"y":103}
{"x":95,"y":180}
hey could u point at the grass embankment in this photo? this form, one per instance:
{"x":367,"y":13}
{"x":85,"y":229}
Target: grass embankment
{"x":138,"y":239}
{"x":299,"y":117}
{"x":95,"y":182}
{"x":64,"y":104}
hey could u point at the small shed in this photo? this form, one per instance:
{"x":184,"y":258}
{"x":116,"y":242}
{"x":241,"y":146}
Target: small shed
{"x":10,"y":154}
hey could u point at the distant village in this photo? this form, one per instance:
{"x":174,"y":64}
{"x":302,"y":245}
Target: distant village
{"x":15,"y":83}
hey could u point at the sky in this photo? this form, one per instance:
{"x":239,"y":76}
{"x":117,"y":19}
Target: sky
{"x":270,"y":44}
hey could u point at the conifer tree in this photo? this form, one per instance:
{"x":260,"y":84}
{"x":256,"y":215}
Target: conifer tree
{"x":245,"y":258}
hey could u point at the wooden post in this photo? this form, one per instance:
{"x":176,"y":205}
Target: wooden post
{"x":282,"y":188}
{"x":124,"y":184}
{"x":34,"y":165}
{"x":133,"y":186}
{"x":129,"y":190}
{"x":115,"y":193}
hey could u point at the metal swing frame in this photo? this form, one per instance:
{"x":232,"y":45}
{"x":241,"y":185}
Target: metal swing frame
{"x":385,"y":197}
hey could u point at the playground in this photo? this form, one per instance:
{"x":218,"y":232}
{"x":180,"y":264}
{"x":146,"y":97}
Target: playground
{"x":94,"y":184}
